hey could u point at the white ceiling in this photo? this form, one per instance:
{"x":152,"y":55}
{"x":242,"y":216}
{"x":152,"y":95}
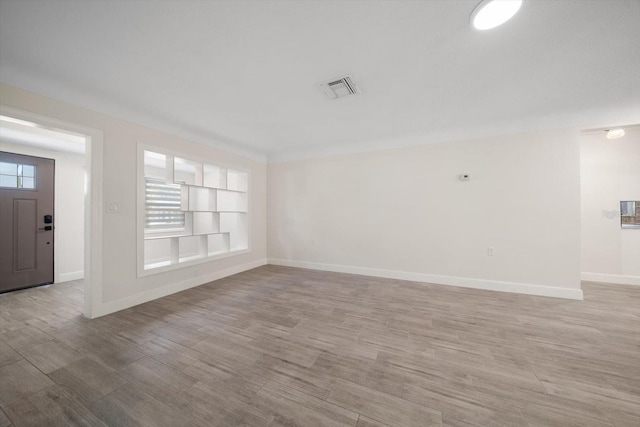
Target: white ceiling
{"x":243,"y":75}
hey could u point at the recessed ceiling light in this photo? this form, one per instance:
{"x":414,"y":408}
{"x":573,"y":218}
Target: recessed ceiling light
{"x":615,"y":133}
{"x":491,"y":13}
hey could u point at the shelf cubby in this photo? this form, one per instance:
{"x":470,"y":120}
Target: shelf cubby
{"x":214,"y":177}
{"x":160,"y":252}
{"x":237,"y":181}
{"x":187,"y":172}
{"x":206,"y":222}
{"x":235,"y":223}
{"x":231,"y":201}
{"x":218,"y":243}
{"x":202,"y":199}
{"x":158,"y":166}
{"x":192,"y":247}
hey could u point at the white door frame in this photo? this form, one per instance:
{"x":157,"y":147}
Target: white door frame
{"x":92,"y":202}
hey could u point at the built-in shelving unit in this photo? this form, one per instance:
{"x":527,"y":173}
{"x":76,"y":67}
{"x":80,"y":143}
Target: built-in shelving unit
{"x":214,"y":205}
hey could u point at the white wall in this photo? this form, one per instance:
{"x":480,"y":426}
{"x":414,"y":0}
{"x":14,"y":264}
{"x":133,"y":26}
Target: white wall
{"x":69,"y":209}
{"x":610,"y":171}
{"x":403,"y":213}
{"x":121,"y":287}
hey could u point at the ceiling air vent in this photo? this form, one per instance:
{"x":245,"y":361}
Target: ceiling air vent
{"x":339,"y":88}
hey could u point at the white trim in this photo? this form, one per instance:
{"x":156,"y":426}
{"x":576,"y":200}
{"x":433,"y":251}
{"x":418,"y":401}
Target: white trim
{"x":93,"y":201}
{"x":150,"y":295}
{"x":465,"y":282}
{"x":93,"y":212}
{"x":611,"y":278}
{"x":67,"y":277}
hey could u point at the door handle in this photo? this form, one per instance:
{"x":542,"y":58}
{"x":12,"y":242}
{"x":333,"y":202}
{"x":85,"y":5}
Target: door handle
{"x":46,"y":228}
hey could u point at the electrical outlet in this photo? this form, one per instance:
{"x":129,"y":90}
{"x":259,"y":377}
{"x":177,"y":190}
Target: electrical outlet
{"x":491,"y":251}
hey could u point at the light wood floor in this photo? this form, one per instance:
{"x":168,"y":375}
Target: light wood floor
{"x":280,"y":346}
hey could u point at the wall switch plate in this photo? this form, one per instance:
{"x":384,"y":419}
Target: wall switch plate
{"x":491,"y":251}
{"x":464,"y":177}
{"x":113,"y":207}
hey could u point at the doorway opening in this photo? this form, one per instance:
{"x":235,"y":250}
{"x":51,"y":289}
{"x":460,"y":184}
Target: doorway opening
{"x":71,"y":232}
{"x":610,"y":192}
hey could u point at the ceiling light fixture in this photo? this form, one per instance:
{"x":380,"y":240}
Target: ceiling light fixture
{"x":615,"y":133}
{"x":491,"y":13}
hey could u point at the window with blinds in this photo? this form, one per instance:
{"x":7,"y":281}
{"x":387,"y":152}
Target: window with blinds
{"x":162,"y":206}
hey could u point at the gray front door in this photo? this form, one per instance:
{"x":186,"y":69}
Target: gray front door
{"x":26,"y":221}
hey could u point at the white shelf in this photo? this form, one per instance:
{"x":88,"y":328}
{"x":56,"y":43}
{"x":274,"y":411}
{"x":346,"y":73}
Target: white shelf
{"x":157,"y":265}
{"x":165,"y":236}
{"x":214,"y":200}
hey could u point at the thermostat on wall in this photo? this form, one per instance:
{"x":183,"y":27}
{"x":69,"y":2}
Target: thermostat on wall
{"x":464,"y":177}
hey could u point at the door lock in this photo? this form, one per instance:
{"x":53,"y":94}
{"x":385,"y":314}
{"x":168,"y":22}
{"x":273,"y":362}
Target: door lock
{"x":48,"y":219}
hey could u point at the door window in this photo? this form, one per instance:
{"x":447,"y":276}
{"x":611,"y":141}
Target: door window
{"x":16,"y":175}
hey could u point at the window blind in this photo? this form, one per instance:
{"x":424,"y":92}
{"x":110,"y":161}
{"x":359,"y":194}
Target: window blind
{"x":162,"y":206}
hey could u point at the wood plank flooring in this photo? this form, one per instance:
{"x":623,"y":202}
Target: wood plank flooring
{"x":279,"y":346}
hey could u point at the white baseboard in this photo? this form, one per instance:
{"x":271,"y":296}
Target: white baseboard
{"x":73,"y":275}
{"x":133,"y":300}
{"x":491,"y":285}
{"x":610,"y":278}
